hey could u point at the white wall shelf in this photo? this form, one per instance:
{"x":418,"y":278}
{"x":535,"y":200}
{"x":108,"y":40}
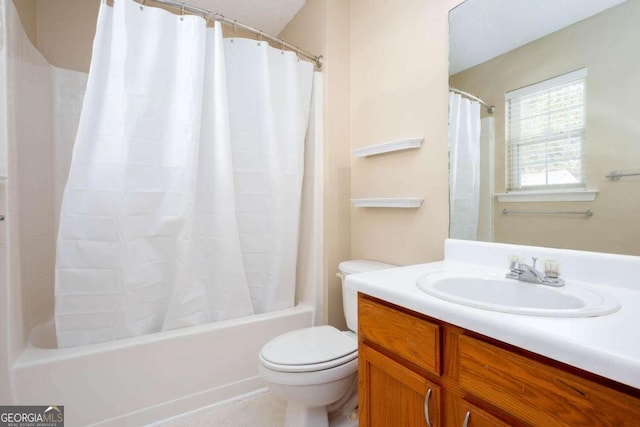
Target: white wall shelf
{"x":387,"y":147}
{"x":407,"y":202}
{"x":548,"y":196}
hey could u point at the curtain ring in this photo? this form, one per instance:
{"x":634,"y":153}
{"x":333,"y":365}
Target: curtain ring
{"x":142,"y":4}
{"x":182,"y":12}
{"x":282,"y":40}
{"x":235,"y":26}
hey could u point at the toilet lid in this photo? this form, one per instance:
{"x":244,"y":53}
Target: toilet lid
{"x":309,"y":349}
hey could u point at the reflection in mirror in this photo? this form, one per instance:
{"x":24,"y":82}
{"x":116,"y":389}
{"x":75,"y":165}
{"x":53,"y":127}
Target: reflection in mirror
{"x":563,"y":75}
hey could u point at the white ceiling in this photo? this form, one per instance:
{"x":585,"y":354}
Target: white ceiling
{"x":270,"y":16}
{"x":483,"y":29}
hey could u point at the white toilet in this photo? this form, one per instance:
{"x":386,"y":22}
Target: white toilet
{"x":315,"y":369}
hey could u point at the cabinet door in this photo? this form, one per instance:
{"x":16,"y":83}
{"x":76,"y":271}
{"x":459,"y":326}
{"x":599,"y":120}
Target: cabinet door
{"x":464,"y":414}
{"x":393,"y":395}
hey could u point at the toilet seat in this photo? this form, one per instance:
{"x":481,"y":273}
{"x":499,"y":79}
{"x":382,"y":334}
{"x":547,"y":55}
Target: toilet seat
{"x":309,"y":350}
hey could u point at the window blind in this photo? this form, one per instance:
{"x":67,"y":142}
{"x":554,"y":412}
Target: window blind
{"x":545,"y":129}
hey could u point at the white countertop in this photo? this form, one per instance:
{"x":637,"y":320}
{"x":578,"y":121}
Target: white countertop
{"x":605,"y":345}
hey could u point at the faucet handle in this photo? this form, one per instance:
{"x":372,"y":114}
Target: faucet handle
{"x":515,"y":267}
{"x":515,"y":262}
{"x":534,"y":259}
{"x":551,"y":268}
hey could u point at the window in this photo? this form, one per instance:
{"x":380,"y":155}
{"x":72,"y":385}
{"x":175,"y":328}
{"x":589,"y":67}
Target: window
{"x":545,"y":127}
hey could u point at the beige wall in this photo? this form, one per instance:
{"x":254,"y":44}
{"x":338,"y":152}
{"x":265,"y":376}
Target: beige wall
{"x":322,"y":27}
{"x":607,"y":44}
{"x":399,"y":89}
{"x":28,"y":17}
{"x":385,"y":79}
{"x":65,"y":31}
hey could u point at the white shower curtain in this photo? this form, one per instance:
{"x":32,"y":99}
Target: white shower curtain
{"x":464,"y":167}
{"x":486,"y":171}
{"x":183,"y":200}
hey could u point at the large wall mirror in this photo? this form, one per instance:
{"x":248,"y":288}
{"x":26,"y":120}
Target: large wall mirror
{"x":564,"y":77}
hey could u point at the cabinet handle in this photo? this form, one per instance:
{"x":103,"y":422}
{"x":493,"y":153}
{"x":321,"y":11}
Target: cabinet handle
{"x":427,"y":398}
{"x":466,"y":419}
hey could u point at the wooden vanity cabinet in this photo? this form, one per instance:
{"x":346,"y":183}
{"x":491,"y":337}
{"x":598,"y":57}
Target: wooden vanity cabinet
{"x":413,"y":368}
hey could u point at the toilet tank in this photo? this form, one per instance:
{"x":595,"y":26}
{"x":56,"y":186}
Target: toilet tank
{"x":349,"y":296}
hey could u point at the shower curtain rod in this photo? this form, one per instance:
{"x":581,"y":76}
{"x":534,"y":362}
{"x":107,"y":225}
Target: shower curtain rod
{"x":209,"y":15}
{"x":490,"y":108}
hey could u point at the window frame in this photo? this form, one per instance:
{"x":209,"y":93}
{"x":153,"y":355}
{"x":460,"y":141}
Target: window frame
{"x":513,"y":169}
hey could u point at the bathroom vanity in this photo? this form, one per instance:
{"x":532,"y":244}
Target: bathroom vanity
{"x":413,"y":366}
{"x":424,"y":361}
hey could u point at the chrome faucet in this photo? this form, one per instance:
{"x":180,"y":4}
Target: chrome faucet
{"x":528,"y":273}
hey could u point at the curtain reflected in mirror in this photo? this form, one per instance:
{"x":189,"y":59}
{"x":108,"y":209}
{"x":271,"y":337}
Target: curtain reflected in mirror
{"x":464,"y":163}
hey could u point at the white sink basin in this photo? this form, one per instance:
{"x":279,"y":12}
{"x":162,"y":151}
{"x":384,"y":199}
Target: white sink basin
{"x":492,"y":291}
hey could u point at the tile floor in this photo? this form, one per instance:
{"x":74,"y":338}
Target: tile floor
{"x":263,"y":409}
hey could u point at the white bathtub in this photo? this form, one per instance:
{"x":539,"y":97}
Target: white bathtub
{"x":139,"y":380}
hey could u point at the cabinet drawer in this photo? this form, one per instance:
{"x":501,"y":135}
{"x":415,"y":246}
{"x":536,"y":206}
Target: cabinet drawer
{"x":469,"y":415}
{"x":540,"y":394}
{"x":414,"y":339}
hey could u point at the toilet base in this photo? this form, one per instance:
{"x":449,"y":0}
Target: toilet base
{"x":299,"y":415}
{"x":344,"y":421}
